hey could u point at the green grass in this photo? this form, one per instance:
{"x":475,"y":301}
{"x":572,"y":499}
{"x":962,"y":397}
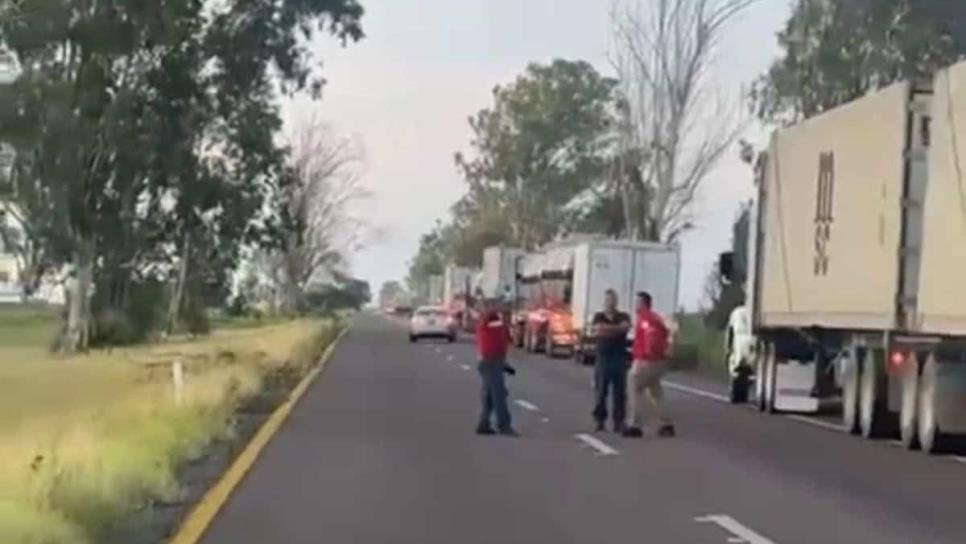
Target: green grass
{"x":699,"y":346}
{"x":84,"y":440}
{"x":28,"y":327}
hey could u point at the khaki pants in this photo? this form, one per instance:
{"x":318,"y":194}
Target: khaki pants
{"x":644,"y":382}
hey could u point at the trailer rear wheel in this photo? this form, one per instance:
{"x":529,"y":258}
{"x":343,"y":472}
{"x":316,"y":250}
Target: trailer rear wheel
{"x":850,"y":391}
{"x":931,"y":438}
{"x":760,"y":373}
{"x":872,"y":410}
{"x":549,"y":347}
{"x":908,"y":426}
{"x":771,"y":379}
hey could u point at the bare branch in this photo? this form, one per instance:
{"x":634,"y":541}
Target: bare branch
{"x":325,"y":169}
{"x":663,"y":50}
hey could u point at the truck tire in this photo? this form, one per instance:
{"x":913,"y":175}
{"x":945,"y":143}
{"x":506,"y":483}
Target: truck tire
{"x":850,"y":391}
{"x":549,"y":348}
{"x":739,"y":382}
{"x":908,"y":415}
{"x":771,"y":379}
{"x":740,"y":387}
{"x":760,"y":381}
{"x":518,"y":339}
{"x":528,"y":340}
{"x":931,"y":438}
{"x":872,"y":412}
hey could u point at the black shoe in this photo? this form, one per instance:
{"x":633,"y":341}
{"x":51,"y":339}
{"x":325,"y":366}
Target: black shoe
{"x":484,"y":430}
{"x":599,"y":427}
{"x":509,"y":432}
{"x":666,"y":431}
{"x":633,"y":432}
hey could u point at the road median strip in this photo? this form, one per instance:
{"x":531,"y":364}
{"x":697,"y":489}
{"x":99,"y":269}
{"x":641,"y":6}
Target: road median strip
{"x":197,"y":522}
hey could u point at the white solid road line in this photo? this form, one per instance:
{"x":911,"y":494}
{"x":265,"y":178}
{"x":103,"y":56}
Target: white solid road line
{"x":721,"y":398}
{"x":742,"y":534}
{"x":695,"y":391}
{"x":815,"y":422}
{"x":818,"y":423}
{"x":526,"y":405}
{"x":600,"y":447}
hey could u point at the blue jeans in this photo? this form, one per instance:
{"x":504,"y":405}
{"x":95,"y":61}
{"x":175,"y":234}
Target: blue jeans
{"x":610,"y":379}
{"x":493,"y":395}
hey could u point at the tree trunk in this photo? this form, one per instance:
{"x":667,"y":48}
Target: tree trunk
{"x":79,"y":309}
{"x":177,"y":294}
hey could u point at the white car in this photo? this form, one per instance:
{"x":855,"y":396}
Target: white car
{"x":432,"y":322}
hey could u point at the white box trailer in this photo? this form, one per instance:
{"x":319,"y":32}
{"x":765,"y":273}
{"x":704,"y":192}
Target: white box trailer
{"x":628,"y":268}
{"x":501,"y":267}
{"x":457,"y":282}
{"x":857,"y":256}
{"x":435,"y":289}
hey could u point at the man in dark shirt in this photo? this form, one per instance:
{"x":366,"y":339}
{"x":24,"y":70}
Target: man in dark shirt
{"x":610,"y":331}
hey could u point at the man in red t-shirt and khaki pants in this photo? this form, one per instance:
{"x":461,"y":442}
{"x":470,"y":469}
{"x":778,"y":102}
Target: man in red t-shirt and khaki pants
{"x":649,"y":352}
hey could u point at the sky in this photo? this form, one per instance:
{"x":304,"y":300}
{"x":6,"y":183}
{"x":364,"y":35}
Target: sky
{"x":406,"y":91}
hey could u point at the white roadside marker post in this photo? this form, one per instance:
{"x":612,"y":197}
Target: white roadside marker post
{"x":177,"y":380}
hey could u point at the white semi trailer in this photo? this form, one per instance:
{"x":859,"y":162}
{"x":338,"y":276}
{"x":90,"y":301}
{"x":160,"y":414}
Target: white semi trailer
{"x":856,"y":288}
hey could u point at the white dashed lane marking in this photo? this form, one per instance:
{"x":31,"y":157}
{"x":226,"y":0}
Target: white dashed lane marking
{"x":599,"y":446}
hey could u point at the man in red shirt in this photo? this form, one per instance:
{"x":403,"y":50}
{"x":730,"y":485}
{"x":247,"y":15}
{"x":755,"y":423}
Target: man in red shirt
{"x":649,"y":353}
{"x":492,"y":342}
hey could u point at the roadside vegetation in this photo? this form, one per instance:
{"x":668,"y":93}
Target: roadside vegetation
{"x":88,"y":440}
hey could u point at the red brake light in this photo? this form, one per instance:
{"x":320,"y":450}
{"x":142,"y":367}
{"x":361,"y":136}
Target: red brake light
{"x":896,"y":359}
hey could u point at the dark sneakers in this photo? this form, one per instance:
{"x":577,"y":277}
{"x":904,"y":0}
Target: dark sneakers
{"x":633,"y":432}
{"x":619,"y":428}
{"x":599,"y":427}
{"x":666,"y":431}
{"x":509,"y":432}
{"x":484,"y":430}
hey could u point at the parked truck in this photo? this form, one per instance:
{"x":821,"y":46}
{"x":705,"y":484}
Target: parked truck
{"x":857,"y":253}
{"x":628,"y":268}
{"x":458,"y":293}
{"x":567,"y":282}
{"x":501,"y":266}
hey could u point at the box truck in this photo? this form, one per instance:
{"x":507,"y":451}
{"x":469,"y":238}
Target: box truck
{"x":855,"y":278}
{"x":501,"y":266}
{"x":628,"y":268}
{"x":566,"y":285}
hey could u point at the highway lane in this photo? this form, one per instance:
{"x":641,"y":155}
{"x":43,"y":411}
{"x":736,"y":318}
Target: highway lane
{"x":381,"y":450}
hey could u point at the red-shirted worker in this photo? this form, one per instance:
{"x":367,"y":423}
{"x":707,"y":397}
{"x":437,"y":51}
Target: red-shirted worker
{"x":649,"y":353}
{"x":492,"y":341}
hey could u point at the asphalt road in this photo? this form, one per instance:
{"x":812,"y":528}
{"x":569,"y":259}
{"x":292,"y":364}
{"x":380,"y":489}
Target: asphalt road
{"x":381,"y":450}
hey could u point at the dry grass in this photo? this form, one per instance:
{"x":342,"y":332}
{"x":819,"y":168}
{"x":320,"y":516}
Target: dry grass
{"x":85,"y":440}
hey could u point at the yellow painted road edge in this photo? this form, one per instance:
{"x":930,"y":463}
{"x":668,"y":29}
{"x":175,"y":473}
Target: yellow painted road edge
{"x":199,"y":519}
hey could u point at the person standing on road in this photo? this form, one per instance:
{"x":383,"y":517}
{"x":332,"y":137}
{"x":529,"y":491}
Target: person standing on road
{"x":492,"y":342}
{"x":610,"y":371}
{"x":649,"y":352}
